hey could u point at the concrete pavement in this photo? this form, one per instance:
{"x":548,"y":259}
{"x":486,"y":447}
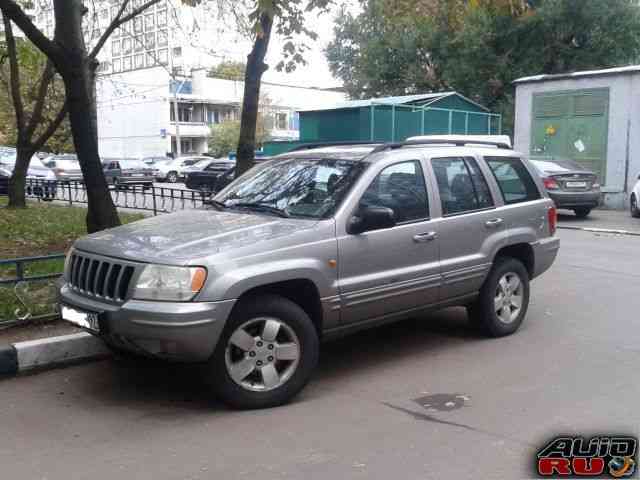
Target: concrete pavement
{"x":571,"y":368}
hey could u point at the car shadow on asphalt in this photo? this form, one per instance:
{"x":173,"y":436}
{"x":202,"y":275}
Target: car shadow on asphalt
{"x":157,"y":385}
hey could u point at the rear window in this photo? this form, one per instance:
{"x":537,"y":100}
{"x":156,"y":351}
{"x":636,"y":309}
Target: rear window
{"x":514,"y":180}
{"x":556,"y":166}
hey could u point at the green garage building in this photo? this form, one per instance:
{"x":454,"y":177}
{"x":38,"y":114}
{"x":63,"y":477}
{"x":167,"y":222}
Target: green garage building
{"x":392,"y":119}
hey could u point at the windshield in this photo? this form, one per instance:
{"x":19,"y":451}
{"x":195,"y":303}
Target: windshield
{"x":67,"y":164}
{"x":202,"y":163}
{"x":297,"y":187}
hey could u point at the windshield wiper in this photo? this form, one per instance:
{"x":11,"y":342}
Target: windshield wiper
{"x":215,"y":203}
{"x":261,"y":207}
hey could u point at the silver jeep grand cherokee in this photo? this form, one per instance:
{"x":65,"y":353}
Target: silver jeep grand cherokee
{"x":315,"y":244}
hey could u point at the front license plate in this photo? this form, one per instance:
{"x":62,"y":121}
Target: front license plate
{"x":576,"y":184}
{"x":80,"y":318}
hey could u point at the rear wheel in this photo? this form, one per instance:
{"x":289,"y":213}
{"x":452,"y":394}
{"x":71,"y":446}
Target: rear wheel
{"x":265,"y":355}
{"x":582,"y":212}
{"x":504,"y":299}
{"x":172,"y":177}
{"x":635,"y":211}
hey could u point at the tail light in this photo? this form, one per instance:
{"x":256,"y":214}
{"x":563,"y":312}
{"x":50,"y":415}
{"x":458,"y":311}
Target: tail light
{"x":550,"y":183}
{"x":552,"y":214}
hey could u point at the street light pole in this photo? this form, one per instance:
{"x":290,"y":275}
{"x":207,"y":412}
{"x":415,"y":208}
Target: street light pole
{"x":176,"y":118}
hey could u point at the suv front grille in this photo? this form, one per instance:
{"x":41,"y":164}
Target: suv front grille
{"x":100,"y":277}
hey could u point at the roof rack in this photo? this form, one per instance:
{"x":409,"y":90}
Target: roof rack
{"x":457,"y":143}
{"x":309,"y":146}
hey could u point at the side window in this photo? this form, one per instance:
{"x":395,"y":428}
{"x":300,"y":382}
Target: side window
{"x":461,"y":184}
{"x":401,"y":188}
{"x":514,"y":179}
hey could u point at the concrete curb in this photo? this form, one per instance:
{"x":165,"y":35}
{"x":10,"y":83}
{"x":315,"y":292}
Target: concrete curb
{"x":51,"y":352}
{"x":600,"y":230}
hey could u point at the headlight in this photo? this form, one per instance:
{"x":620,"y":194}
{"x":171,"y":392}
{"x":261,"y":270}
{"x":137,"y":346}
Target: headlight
{"x":159,"y":282}
{"x":67,"y":265}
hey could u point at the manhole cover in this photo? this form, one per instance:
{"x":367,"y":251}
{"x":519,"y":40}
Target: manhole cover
{"x":443,"y":402}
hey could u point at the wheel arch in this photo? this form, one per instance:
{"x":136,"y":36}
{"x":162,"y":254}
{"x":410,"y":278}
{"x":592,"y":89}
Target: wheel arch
{"x":520,"y":251}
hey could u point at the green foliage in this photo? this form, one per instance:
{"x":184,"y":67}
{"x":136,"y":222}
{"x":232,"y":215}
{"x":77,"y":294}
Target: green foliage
{"x":228,"y":70}
{"x":32,"y":63}
{"x":224,"y":136}
{"x":478,"y":47}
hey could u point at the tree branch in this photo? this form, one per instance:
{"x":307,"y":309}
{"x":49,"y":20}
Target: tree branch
{"x":51,"y":129}
{"x":12,"y":10}
{"x":116,"y":22}
{"x":36,"y":116}
{"x":14,"y":74}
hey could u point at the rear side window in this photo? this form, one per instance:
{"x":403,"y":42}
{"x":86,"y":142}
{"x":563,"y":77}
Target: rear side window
{"x":461,"y":184}
{"x":514,"y":179}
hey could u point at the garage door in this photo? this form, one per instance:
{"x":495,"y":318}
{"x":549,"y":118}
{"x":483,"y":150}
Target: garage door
{"x":572,"y":125}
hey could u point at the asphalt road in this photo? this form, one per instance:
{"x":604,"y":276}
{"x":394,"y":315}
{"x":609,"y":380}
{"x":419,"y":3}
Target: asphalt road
{"x":572,"y":368}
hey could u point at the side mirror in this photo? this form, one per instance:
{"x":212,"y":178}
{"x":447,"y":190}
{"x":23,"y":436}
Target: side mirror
{"x":371,"y":218}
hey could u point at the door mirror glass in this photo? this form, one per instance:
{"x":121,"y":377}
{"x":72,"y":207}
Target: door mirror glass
{"x":371,"y":218}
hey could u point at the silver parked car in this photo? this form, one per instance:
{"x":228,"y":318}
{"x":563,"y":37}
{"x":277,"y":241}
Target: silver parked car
{"x":316,"y":244}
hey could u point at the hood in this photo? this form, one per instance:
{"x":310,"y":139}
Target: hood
{"x":180,"y":238}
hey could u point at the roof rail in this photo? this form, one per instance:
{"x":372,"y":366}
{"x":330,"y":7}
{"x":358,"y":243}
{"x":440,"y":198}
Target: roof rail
{"x":309,"y":146}
{"x":457,"y":143}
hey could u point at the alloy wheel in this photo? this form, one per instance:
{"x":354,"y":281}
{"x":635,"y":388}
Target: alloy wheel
{"x":509,"y":297}
{"x":262,"y":354}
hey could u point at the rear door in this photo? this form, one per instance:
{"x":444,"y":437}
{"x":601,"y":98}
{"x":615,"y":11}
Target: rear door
{"x":471,"y":224}
{"x":388,"y":271}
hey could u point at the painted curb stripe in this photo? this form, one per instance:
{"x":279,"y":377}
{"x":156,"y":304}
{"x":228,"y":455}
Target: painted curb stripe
{"x":8,"y":360}
{"x":600,"y":230}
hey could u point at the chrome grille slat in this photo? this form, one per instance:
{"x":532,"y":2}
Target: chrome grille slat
{"x":100,"y":277}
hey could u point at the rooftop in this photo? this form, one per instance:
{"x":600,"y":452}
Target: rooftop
{"x":630,"y":69}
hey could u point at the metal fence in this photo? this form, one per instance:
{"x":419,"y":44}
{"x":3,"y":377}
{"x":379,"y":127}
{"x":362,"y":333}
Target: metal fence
{"x":135,"y":196}
{"x":25,"y":296}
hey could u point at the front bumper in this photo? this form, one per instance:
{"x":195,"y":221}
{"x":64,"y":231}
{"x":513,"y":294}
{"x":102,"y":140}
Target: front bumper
{"x":569,"y":200}
{"x":181,"y":331}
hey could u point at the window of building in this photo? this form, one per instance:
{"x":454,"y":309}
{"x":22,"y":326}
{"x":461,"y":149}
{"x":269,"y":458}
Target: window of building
{"x":139,"y":60}
{"x":163,"y":39}
{"x":117,"y":65}
{"x":150,"y":41}
{"x":161,"y":18}
{"x":401,"y":188}
{"x":96,"y":33}
{"x":115,"y":48}
{"x":151,"y":60}
{"x":126,"y":63}
{"x":138,"y":43}
{"x":163,"y":57}
{"x":114,"y":12}
{"x":177,"y":51}
{"x":126,"y":46}
{"x":281,"y":121}
{"x":137,"y":25}
{"x":514,"y":179}
{"x":149,"y":22}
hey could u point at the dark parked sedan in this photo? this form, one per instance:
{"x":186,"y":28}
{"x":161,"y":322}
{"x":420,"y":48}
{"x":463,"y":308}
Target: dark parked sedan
{"x":206,"y":180}
{"x":569,"y":184}
{"x":127,"y":171}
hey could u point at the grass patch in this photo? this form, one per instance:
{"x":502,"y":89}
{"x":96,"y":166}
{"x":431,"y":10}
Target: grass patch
{"x":40,"y":229}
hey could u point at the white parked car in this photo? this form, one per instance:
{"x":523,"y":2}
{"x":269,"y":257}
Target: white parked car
{"x":634,"y":200}
{"x":173,"y":170}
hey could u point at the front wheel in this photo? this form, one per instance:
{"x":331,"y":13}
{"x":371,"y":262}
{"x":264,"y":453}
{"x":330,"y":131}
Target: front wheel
{"x":635,"y":211}
{"x":582,"y":212}
{"x":265,"y":355}
{"x":172,"y":177}
{"x":504,"y":299}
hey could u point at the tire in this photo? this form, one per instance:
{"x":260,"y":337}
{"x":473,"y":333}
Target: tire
{"x":484,"y":313}
{"x":582,"y":212}
{"x":635,"y":210}
{"x":172,"y":177}
{"x":252,"y":390}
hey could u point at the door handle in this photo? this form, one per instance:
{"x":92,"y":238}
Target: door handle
{"x":496,"y":222}
{"x":425,"y":237}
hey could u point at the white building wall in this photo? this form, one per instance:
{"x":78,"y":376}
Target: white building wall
{"x":623,"y":139}
{"x":133,"y":114}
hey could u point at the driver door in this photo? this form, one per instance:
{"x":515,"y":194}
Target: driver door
{"x":393,"y":270}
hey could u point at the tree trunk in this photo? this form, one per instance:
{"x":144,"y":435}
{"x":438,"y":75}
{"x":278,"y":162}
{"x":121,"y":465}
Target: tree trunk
{"x":250,"y":103}
{"x":18,"y":178}
{"x":77,"y":73}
